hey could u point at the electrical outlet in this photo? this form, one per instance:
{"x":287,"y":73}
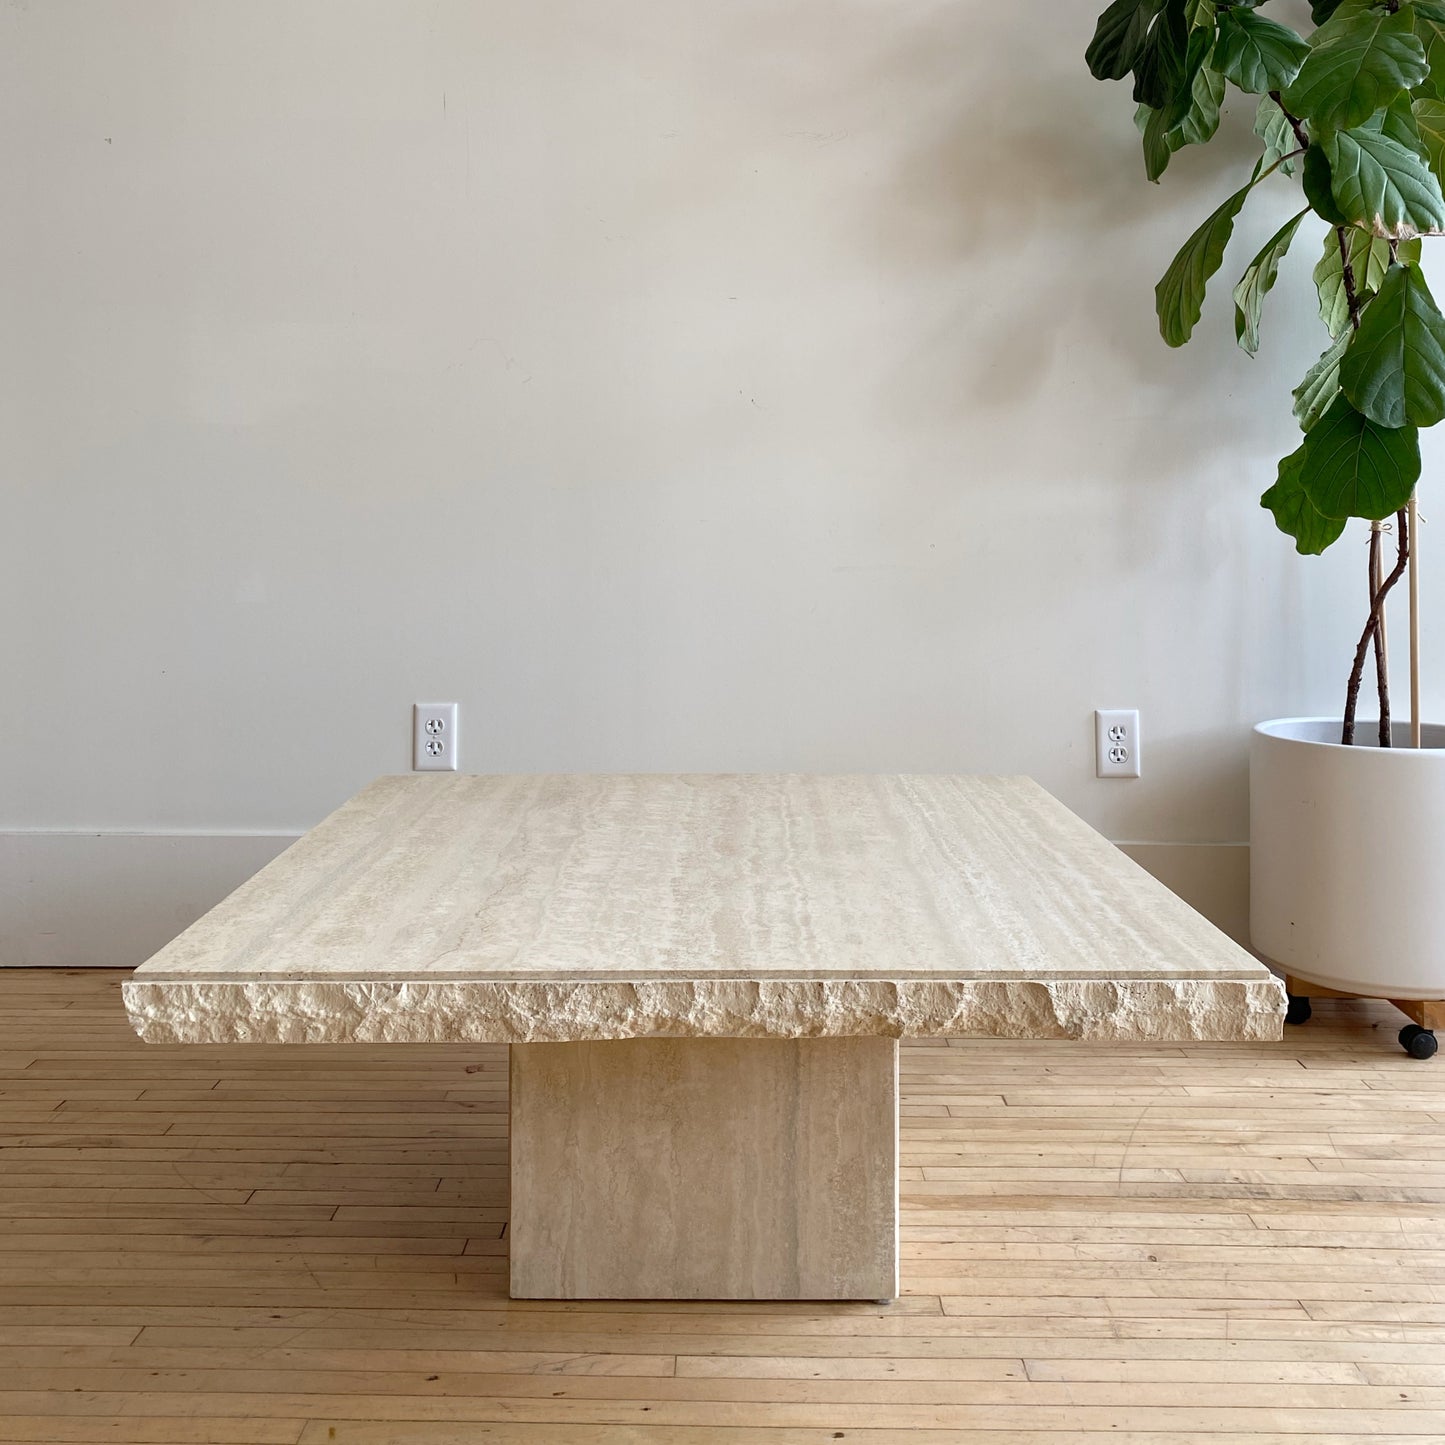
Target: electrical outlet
{"x":434,"y":737}
{"x":1116,"y":742}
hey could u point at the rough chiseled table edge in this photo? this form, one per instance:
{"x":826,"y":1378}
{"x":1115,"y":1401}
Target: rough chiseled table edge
{"x":295,"y":1011}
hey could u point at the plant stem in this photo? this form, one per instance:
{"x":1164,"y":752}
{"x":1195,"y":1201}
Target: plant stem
{"x":1352,"y":296}
{"x":1296,"y":124}
{"x":1377,"y":592}
{"x":1377,"y":607}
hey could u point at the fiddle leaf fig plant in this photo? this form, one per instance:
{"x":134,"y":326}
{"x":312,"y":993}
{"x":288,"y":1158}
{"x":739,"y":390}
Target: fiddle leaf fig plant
{"x":1353,"y":112}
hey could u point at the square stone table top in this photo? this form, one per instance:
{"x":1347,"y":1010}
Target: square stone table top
{"x":574,"y":906}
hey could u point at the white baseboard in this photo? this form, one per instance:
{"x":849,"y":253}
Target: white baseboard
{"x":96,"y":900}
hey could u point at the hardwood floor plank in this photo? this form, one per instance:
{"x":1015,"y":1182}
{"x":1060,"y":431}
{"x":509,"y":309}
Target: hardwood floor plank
{"x":1233,"y":1245}
{"x":63,"y":1428}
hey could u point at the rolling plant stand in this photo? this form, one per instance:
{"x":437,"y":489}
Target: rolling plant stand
{"x":1417,"y":1038}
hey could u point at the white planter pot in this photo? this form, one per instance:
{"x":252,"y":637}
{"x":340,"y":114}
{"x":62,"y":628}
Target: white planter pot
{"x":1347,"y":856}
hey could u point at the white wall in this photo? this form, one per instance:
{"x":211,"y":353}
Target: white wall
{"x":735,"y":384}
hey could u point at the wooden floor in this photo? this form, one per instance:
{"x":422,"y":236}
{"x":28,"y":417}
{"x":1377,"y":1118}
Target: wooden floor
{"x":1149,"y":1246}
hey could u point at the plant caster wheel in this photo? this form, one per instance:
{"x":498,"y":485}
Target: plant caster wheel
{"x":1299,"y":1010}
{"x":1417,"y":1042}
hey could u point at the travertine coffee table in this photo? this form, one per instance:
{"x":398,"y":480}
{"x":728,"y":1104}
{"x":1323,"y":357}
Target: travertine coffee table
{"x":703,"y":980}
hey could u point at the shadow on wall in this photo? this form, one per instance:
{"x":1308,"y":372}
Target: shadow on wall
{"x":1001,"y":198}
{"x":1014,"y":195}
{"x":1014,"y":192}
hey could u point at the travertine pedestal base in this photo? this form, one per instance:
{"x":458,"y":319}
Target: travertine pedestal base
{"x":705,"y":1169}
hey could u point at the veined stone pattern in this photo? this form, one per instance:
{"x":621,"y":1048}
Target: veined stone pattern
{"x":580,"y":907}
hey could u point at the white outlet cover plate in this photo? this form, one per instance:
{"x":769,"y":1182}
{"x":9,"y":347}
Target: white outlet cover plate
{"x":1116,"y":742}
{"x":434,"y":737}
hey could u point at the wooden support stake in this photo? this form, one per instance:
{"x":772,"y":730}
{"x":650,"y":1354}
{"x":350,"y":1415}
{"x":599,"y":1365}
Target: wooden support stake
{"x":1416,"y":728}
{"x":1377,"y":576}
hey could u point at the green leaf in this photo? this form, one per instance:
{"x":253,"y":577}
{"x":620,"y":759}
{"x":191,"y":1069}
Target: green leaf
{"x":1295,"y":514}
{"x":1201,"y":120}
{"x":1119,"y":38}
{"x":1397,"y":121}
{"x":1369,"y":260}
{"x":1258,"y":55}
{"x":1200,"y":14}
{"x":1158,"y":145}
{"x":1312,"y":397}
{"x":1323,"y":10}
{"x":1258,"y":277}
{"x":1161,"y":73}
{"x":1430,"y":31}
{"x":1319,"y":187}
{"x":1358,"y":65}
{"x":1198,"y":125}
{"x":1394,"y":371}
{"x":1380,"y":185}
{"x":1201,"y":47}
{"x":1272,"y":126}
{"x":1430,"y":124}
{"x":1179,"y":296}
{"x":1354,"y":467}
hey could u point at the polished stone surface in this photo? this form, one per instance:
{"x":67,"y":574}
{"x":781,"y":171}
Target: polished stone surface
{"x":573,"y":907}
